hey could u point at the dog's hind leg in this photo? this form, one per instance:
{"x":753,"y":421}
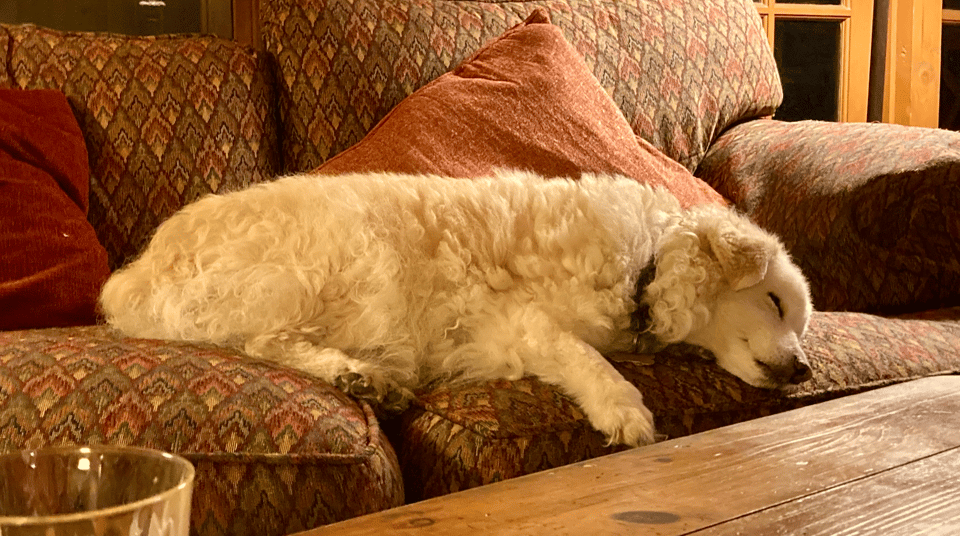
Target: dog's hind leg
{"x":369,"y":376}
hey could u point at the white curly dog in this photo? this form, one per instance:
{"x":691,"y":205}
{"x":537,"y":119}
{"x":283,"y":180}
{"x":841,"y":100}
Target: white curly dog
{"x":383,"y":284}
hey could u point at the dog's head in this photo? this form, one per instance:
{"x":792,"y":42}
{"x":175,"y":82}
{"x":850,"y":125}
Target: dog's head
{"x":728,"y":286}
{"x":754,"y":327}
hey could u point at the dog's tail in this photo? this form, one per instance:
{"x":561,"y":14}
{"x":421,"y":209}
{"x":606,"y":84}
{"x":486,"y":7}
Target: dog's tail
{"x":159,"y":294}
{"x":124,"y":303}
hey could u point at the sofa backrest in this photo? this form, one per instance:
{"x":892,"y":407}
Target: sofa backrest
{"x":165,"y":119}
{"x":681,"y":71}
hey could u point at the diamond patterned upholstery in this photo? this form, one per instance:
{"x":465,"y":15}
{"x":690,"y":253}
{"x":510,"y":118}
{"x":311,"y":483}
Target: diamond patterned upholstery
{"x":276,"y":451}
{"x":459,"y":438}
{"x":874,"y":234}
{"x":681,"y":72}
{"x":166,"y":119}
{"x":169,"y":119}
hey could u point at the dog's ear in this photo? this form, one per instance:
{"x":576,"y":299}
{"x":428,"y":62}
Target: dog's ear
{"x":742,"y":252}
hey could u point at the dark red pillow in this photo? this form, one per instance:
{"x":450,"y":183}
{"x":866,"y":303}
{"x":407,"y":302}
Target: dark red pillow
{"x":51,"y":263}
{"x":525,"y":100}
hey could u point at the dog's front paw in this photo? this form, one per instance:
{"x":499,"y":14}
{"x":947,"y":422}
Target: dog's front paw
{"x":624,"y":419}
{"x":634,"y":428}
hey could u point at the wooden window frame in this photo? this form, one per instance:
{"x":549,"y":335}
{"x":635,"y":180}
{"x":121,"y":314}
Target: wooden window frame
{"x":246,"y":23}
{"x":856,"y":29}
{"x":216,"y":17}
{"x":951,"y":17}
{"x":912,"y":82}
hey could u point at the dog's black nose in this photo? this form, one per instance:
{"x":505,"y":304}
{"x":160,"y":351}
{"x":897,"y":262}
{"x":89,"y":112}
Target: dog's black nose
{"x":801,"y":372}
{"x":790,"y":370}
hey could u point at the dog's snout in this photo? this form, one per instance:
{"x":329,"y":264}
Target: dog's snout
{"x":792,"y":369}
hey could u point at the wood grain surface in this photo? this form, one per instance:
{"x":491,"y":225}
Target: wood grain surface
{"x":882,"y":462}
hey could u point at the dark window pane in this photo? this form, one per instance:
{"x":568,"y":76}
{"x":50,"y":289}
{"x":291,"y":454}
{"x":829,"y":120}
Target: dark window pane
{"x":950,"y":77}
{"x":808,"y":56}
{"x":815,"y":2}
{"x":951,"y":4}
{"x":138,"y":17}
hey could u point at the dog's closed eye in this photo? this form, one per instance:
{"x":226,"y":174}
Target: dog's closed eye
{"x":776,"y":303}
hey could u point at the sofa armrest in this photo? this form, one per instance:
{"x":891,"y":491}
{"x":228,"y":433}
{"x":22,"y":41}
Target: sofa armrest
{"x":870,"y":212}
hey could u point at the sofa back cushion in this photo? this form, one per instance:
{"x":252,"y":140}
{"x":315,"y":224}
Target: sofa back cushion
{"x":527,"y":101}
{"x":165,"y":119}
{"x":681,"y":72}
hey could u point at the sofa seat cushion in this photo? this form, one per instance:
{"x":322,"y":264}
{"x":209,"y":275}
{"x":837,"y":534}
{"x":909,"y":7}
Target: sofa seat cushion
{"x":870,"y":212}
{"x":458,"y":438}
{"x":166,"y":119}
{"x":275,"y":450}
{"x":681,"y":72}
{"x":51,"y":263}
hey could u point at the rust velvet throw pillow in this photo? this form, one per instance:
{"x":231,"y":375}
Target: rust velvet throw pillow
{"x":51,"y":263}
{"x":527,"y":101}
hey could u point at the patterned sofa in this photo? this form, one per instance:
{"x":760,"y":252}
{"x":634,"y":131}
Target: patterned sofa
{"x":869,"y":211}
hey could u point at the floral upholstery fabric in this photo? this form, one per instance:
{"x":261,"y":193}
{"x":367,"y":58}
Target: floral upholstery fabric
{"x":275,"y":450}
{"x":455,"y":439}
{"x":681,"y":72}
{"x":870,"y":212}
{"x":165,"y":119}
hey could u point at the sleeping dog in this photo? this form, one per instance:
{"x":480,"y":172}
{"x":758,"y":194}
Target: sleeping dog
{"x":383,"y":284}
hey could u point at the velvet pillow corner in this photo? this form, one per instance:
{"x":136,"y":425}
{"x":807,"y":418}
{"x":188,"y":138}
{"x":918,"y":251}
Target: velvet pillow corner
{"x":52,"y":263}
{"x":525,"y":100}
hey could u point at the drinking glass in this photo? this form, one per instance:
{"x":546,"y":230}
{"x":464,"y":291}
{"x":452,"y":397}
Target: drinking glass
{"x":94,"y":491}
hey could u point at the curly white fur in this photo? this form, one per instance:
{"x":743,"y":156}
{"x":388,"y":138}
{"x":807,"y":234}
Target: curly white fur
{"x":409,"y":280}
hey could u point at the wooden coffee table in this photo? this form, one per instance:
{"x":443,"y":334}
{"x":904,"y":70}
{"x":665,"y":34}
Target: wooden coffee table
{"x":885,"y":462}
